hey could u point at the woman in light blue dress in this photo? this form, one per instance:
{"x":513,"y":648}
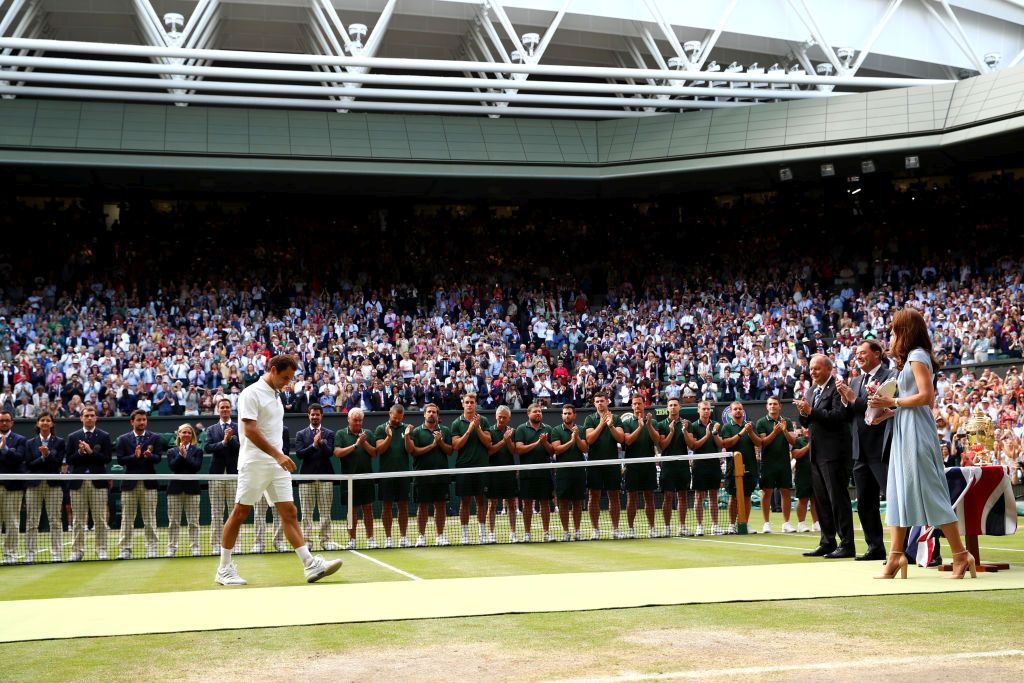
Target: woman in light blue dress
{"x":916,"y":492}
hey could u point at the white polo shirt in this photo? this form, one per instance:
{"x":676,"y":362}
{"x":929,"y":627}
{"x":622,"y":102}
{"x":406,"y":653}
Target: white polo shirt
{"x":260,"y":402}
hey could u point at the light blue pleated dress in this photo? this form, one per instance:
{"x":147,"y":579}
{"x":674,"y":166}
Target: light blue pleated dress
{"x":917,"y":492}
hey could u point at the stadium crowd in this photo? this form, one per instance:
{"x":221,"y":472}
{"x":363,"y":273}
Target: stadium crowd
{"x":167,"y":310}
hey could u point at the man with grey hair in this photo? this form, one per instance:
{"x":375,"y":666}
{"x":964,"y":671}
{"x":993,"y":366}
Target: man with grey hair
{"x":822,"y":411}
{"x":501,"y":486}
{"x":356,"y":447}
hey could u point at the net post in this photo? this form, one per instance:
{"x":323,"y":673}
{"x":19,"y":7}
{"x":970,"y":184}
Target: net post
{"x":742,"y":511}
{"x":349,"y":522}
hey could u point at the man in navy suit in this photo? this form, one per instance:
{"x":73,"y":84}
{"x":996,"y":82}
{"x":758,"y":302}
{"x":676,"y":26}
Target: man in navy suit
{"x":44,"y":455}
{"x":12,"y":461}
{"x":222,"y":444}
{"x":823,"y":413}
{"x":88,"y":451}
{"x":138,"y":452}
{"x":871,"y":444}
{"x":314,"y":446}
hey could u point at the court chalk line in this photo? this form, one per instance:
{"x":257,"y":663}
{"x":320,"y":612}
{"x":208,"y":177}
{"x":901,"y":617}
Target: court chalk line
{"x":385,"y":565}
{"x":783,"y":668}
{"x":715,"y":540}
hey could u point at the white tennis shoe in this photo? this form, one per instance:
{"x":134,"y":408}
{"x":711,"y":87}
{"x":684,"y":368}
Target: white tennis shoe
{"x":228,"y":576}
{"x":318,"y":568}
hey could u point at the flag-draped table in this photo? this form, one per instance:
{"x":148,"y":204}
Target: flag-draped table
{"x":982,"y":498}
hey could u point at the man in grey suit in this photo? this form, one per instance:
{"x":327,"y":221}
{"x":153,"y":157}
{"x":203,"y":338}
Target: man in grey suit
{"x":870,"y":444}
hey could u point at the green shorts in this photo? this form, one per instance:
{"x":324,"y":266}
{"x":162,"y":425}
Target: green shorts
{"x":642,"y":477}
{"x":536,"y":489}
{"x":675,"y":476}
{"x":707,"y":475}
{"x":432,"y":489}
{"x":501,"y":485}
{"x":748,"y":484}
{"x":776,"y":476}
{"x":574,"y":488}
{"x":604,"y":478}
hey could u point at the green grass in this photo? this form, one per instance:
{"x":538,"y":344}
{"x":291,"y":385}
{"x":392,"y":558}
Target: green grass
{"x":539,"y":642}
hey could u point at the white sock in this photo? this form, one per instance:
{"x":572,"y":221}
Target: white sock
{"x":481,"y":528}
{"x":225,"y":556}
{"x":465,"y":529}
{"x":304,"y":554}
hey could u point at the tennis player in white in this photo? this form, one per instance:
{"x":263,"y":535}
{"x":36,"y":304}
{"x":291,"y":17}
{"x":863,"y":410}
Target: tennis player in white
{"x":263,"y":470}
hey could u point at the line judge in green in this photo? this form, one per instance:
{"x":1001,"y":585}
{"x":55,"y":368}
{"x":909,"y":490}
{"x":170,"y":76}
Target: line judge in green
{"x":430,"y":444}
{"x":707,"y":472}
{"x":502,"y":486}
{"x":738,"y":435}
{"x":533,"y":444}
{"x":471,"y":437}
{"x":393,"y":457}
{"x":356,"y":448}
{"x":604,"y":433}
{"x":571,"y":482}
{"x":641,"y":435}
{"x":777,"y":437}
{"x":675,"y":475}
{"x":803,"y":487}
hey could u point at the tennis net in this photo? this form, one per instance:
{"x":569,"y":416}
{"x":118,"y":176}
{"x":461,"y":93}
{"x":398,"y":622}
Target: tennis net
{"x":50,"y":518}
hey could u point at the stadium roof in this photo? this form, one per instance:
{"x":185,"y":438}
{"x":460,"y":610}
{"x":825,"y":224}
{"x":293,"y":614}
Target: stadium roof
{"x":550,"y":58}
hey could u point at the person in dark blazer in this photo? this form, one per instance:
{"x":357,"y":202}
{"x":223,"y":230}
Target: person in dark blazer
{"x":871,"y":444}
{"x":823,"y":413}
{"x":138,"y":452}
{"x":88,"y":450}
{"x":185,"y":457}
{"x":260,"y":511}
{"x":44,"y":455}
{"x":222,"y":444}
{"x":12,"y":461}
{"x":378,"y":397}
{"x":314,"y":446}
{"x":305,"y":398}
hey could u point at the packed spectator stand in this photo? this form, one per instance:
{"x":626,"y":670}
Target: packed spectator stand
{"x":169,"y":305}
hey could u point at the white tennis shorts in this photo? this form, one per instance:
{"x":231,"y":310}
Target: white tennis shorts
{"x":257,"y":479}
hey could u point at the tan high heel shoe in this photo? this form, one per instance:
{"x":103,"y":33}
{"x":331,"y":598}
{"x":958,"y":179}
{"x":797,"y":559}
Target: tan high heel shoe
{"x":900,"y":568}
{"x":968,"y":566}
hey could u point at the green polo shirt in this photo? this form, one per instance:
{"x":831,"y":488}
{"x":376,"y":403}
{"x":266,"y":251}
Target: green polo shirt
{"x":394,"y":458}
{"x":605,"y":447}
{"x":473,"y":452}
{"x":745,"y":446}
{"x":359,"y":461}
{"x":778,"y":450}
{"x":697,"y":431}
{"x":434,"y":459}
{"x":503,"y":456}
{"x":563,"y":435}
{"x":643,"y":447}
{"x":526,"y":434}
{"x":677,"y":444}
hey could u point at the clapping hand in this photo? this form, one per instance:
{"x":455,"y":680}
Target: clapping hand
{"x":845,"y":392}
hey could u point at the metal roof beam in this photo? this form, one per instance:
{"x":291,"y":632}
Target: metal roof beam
{"x":391,"y":80}
{"x":451,"y":65}
{"x":875,"y":32}
{"x":712,"y":39}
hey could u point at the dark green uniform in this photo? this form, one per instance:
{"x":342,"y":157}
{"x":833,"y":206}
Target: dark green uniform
{"x":803,"y":488}
{"x":501,"y":485}
{"x":472,"y":454}
{"x":675,"y":475}
{"x":707,"y":473}
{"x":431,"y":489}
{"x":745,"y":446}
{"x":775,"y":471}
{"x":570,"y":483}
{"x":357,"y":462}
{"x":642,"y":477}
{"x":533,"y":484}
{"x":394,"y":459}
{"x":604,"y":448}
